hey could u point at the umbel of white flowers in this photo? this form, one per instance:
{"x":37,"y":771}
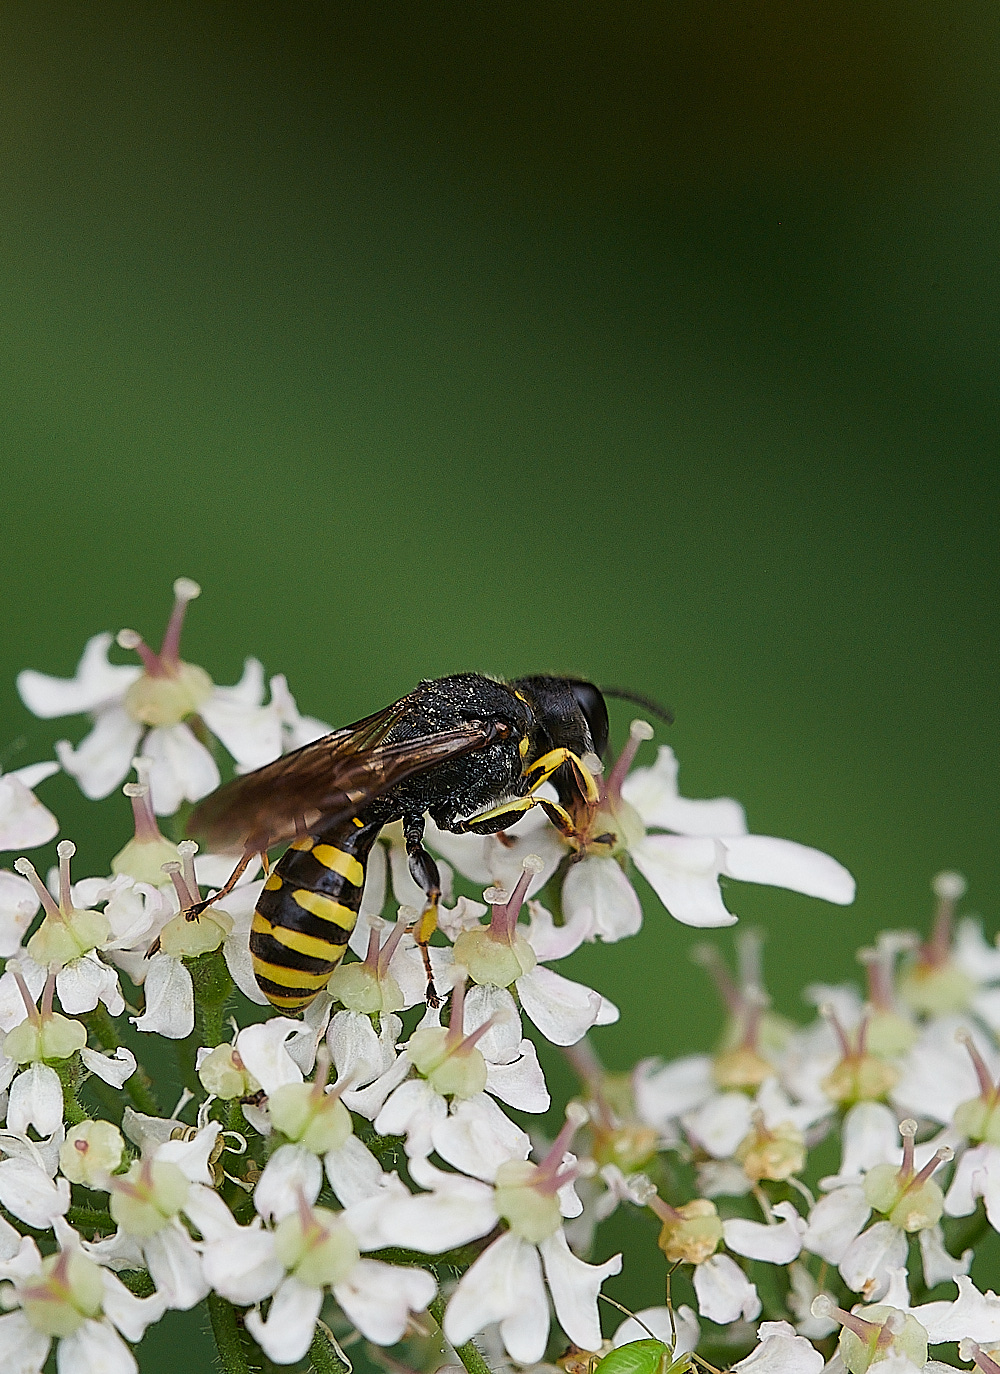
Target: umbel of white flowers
{"x":275,"y":1190}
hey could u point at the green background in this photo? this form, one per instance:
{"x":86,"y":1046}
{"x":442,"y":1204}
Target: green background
{"x":654,"y":343}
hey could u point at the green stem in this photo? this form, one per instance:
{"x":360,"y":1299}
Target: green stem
{"x":226,"y":1328}
{"x":72,"y":1106}
{"x":213,"y":988}
{"x":469,"y":1353}
{"x":90,"y":1219}
{"x":323,"y":1353}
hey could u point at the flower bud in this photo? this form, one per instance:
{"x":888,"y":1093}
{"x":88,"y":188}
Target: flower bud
{"x":316,"y":1120}
{"x":909,"y":1208}
{"x":694,"y":1235}
{"x":76,"y":933}
{"x":773,"y":1154}
{"x":531,"y":1213}
{"x":167,"y":699}
{"x":55,"y":1037}
{"x":493,"y":963}
{"x":860,"y":1078}
{"x":361,"y":988}
{"x":223,"y":1073}
{"x":68,"y":1292}
{"x":148,"y":1196}
{"x":461,"y":1073}
{"x":316,"y":1247}
{"x":186,"y":939}
{"x":91,"y":1152}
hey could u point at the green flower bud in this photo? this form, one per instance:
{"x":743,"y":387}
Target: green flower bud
{"x":493,"y":963}
{"x":186,"y":939}
{"x":69,"y":1291}
{"x":936,"y":989}
{"x":56,"y":1037}
{"x":222,"y":1073}
{"x":359,"y":988}
{"x":148,"y":1196}
{"x":909,"y":1339}
{"x":531,"y":1214}
{"x":91,"y":1152}
{"x":168,"y":699}
{"x":773,"y":1154}
{"x":458,"y":1073}
{"x":59,"y":941}
{"x":320,"y":1253}
{"x":316,"y":1120}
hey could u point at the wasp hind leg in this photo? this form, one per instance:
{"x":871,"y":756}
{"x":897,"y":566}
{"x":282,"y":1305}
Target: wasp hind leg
{"x":424,"y":872}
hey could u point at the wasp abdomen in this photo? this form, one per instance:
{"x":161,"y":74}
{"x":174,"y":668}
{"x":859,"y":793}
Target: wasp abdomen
{"x":307,"y":910}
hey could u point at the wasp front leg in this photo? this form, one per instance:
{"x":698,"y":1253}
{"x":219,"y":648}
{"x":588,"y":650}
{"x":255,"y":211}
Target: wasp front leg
{"x":425,"y":874}
{"x":507,"y":813}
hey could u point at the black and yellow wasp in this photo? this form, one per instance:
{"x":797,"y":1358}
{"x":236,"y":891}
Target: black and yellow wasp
{"x":469,"y":750}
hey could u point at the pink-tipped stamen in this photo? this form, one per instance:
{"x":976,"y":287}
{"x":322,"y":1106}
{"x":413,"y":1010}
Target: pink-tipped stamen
{"x":144,"y":818}
{"x":972,"y":1350}
{"x":708,"y":957}
{"x":48,"y":993}
{"x":553,"y":1173}
{"x":27,"y":870}
{"x":184,"y":896}
{"x":863,"y":1024}
{"x":469,"y":1042}
{"x":639,"y":731}
{"x":948,"y":888}
{"x":941,"y":1156}
{"x":26,"y":997}
{"x":383,"y":956}
{"x":907,"y":1129}
{"x":185,"y":591}
{"x":503,"y":919}
{"x":824,"y":1306}
{"x":833,"y":1021}
{"x":65,"y":850}
{"x":151,"y":662}
{"x":988,"y":1091}
{"x":187,"y":849}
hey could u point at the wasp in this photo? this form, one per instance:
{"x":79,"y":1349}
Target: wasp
{"x":470,"y":751}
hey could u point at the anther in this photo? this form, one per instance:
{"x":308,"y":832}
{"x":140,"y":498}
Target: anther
{"x":65,"y":850}
{"x":531,"y":863}
{"x":187,"y":849}
{"x":27,"y":870}
{"x":949,"y":887}
{"x":970,"y":1350}
{"x":131,"y":639}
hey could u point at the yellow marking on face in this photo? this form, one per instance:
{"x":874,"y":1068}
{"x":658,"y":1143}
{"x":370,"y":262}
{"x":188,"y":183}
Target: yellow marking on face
{"x":523,"y":747}
{"x":305,"y":842}
{"x":325,"y":908}
{"x":338,"y":862}
{"x":359,"y":823}
{"x":520,"y":697}
{"x":285,"y":977}
{"x":273,"y":883}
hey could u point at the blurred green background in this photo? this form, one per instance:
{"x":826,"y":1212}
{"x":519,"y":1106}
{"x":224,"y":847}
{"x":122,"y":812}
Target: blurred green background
{"x":654,"y":343}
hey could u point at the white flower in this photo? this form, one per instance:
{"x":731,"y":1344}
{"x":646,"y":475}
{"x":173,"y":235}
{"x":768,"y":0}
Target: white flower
{"x":780,"y":1351}
{"x":24,"y":822}
{"x":724,"y":1292}
{"x":153,"y":705}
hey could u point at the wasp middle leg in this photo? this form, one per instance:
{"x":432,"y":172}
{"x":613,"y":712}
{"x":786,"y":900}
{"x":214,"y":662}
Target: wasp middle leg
{"x":425,"y":874}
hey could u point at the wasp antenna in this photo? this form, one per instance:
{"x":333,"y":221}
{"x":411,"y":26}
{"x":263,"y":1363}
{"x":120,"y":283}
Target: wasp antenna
{"x":653,"y":707}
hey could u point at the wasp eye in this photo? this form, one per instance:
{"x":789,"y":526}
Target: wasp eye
{"x":595,"y":713}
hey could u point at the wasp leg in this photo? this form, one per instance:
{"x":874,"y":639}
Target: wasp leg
{"x":497,"y":818}
{"x":192,"y":913}
{"x":425,"y":874}
{"x":542,"y":769}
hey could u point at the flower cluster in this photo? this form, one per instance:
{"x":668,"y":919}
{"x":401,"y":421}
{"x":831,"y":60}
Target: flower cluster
{"x":365,"y":1171}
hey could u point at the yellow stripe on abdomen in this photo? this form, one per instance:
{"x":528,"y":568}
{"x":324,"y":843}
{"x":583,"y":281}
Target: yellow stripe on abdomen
{"x":325,"y":908}
{"x":297,"y":941}
{"x":339,"y":862}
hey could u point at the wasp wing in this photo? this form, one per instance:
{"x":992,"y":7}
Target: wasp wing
{"x":336,"y":776}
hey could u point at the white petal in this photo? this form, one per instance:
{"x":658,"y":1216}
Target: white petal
{"x":548,"y":940}
{"x":574,"y":1286}
{"x":243,"y":1266}
{"x":24,"y":822}
{"x":354,"y":1172}
{"x":358,"y":1053}
{"x":974,"y":954}
{"x":175,"y":1266}
{"x":12,"y":1008}
{"x":169,"y":999}
{"x":683,"y":871}
{"x":562,"y":1010}
{"x":679,"y":1330}
{"x":84,"y":982}
{"x":938,"y":1265}
{"x":777,"y":1244}
{"x":783,"y":863}
{"x":781,"y":1351}
{"x":404,"y":889}
{"x":262,"y":1049}
{"x":102,"y":758}
{"x":597,"y":895}
{"x":721,"y":1123}
{"x":502,"y":1042}
{"x":298,"y":729}
{"x":653,"y":792}
{"x":871,"y":1136}
{"x":18,"y":904}
{"x":477,"y":1137}
{"x":115,"y":1069}
{"x":22,"y":1348}
{"x":191,"y":1156}
{"x":835,"y":1221}
{"x":504,"y":1285}
{"x":973,"y":1315}
{"x":130,"y":1314}
{"x":287,"y":1334}
{"x":36,"y":1099}
{"x":972,"y":1175}
{"x":724,"y":1292}
{"x":28,"y":1192}
{"x":95,"y":683}
{"x":460,"y":1210}
{"x":94,"y":1348}
{"x":252,"y":734}
{"x":303,"y":1043}
{"x":412,"y":1110}
{"x":665,"y":1092}
{"x":521,"y":1084}
{"x":866,"y":1264}
{"x":183,"y":769}
{"x":34,"y":773}
{"x":236,"y":952}
{"x":379,"y":1298}
{"x":291,"y":1170}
